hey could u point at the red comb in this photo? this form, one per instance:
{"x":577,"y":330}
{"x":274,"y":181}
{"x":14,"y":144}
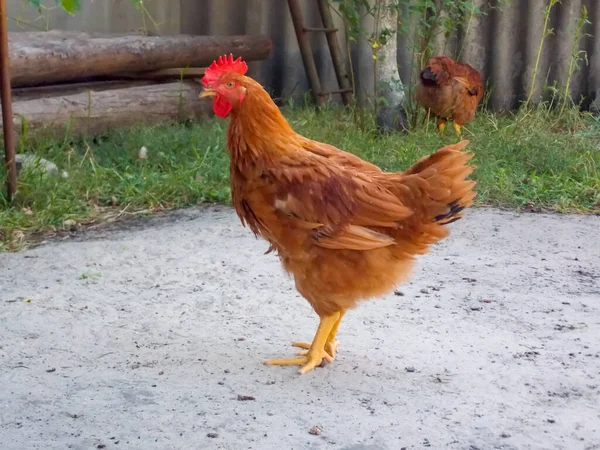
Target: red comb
{"x":222,"y":66}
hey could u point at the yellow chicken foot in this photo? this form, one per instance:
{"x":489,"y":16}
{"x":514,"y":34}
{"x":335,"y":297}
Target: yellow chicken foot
{"x":316,"y":353}
{"x":330,"y":349}
{"x":331,"y":344}
{"x":441,"y":126}
{"x":457,"y":128}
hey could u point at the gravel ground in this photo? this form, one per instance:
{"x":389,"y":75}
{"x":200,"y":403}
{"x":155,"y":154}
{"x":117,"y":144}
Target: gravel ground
{"x":152,"y":336}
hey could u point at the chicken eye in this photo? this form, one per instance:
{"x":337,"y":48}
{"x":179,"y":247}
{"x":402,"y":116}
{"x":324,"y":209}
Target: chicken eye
{"x":230,"y":85}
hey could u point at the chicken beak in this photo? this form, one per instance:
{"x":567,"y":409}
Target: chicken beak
{"x":207,"y":93}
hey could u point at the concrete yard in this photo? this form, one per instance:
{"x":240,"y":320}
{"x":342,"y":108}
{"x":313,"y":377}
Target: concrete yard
{"x":152,"y":336}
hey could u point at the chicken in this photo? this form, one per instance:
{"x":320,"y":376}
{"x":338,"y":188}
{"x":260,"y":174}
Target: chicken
{"x":344,"y":229}
{"x":449,"y":90}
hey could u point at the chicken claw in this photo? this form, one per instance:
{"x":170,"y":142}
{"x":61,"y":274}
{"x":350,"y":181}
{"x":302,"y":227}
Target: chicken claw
{"x":308,"y":362}
{"x":330,"y":348}
{"x":316,"y":353}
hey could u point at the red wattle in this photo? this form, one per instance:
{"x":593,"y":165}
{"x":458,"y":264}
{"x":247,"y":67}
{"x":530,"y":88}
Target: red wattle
{"x":221,"y":106}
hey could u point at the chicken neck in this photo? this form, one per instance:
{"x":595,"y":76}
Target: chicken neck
{"x":258,"y":129}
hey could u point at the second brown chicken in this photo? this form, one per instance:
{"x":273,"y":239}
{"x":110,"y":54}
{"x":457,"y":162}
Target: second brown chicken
{"x":449,"y":90}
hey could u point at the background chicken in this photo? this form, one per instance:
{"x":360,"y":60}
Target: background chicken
{"x":344,"y":229}
{"x":449,"y":90}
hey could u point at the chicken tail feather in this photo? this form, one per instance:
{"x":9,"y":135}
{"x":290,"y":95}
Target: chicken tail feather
{"x":441,"y":180}
{"x":437,"y":190}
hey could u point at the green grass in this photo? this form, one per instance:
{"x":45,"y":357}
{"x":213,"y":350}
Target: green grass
{"x":525,"y":159}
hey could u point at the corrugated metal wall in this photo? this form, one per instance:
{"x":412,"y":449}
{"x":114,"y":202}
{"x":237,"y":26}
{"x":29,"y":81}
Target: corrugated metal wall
{"x":95,"y":16}
{"x":502,"y":44}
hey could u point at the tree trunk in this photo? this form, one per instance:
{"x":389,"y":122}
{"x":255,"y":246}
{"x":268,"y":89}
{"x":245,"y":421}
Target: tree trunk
{"x":96,"y":112}
{"x":390,"y":95}
{"x":49,"y":57}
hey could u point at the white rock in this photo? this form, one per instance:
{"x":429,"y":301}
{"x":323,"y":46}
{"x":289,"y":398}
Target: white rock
{"x":143,"y":153}
{"x":27,"y":161}
{"x":70,"y":225}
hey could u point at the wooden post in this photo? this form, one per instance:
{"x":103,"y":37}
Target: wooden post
{"x":341,"y":71}
{"x":306,"y":51}
{"x":7,"y":116}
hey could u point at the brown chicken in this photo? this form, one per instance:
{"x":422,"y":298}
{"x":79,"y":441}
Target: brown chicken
{"x":344,"y":229}
{"x":450,"y":90}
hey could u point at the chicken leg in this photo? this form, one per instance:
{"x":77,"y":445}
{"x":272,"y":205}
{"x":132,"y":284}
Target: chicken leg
{"x":331,"y":344}
{"x":457,"y":128}
{"x":441,"y":126}
{"x":316,"y":353}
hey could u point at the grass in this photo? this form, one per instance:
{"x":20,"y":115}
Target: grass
{"x":523,"y":160}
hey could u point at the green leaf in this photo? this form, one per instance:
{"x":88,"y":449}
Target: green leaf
{"x":35,"y":3}
{"x":70,"y":6}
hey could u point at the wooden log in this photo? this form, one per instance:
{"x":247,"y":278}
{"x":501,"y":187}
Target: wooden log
{"x":118,"y":81}
{"x":57,"y":90}
{"x":48,"y":57}
{"x":96,"y":112}
{"x":162,"y":74}
{"x":24,"y":36}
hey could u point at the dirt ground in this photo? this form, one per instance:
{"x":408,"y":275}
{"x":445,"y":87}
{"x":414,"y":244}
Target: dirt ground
{"x":152,"y":336}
